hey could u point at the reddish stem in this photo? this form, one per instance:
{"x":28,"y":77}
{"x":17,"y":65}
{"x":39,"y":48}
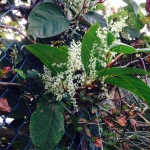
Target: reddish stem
{"x":116,"y":58}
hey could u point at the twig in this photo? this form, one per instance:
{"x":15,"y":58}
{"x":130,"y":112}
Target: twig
{"x":18,"y":85}
{"x":113,"y":62}
{"x":146,"y":121}
{"x":16,"y":29}
{"x":10,"y":133}
{"x":134,"y":61}
{"x":89,"y":123}
{"x":141,"y":59}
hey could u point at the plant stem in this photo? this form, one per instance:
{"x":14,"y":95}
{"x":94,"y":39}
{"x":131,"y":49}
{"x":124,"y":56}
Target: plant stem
{"x":134,"y":61}
{"x":19,"y":85}
{"x":116,"y":58}
{"x":141,"y":59}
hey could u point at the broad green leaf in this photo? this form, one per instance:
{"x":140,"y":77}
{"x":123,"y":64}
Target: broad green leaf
{"x":47,"y":20}
{"x":132,"y":32}
{"x":49,"y":55}
{"x":122,"y":48}
{"x":132,"y":84}
{"x":93,"y":17}
{"x":47,"y":125}
{"x":72,"y":117}
{"x":87,"y":45}
{"x":143,"y":50}
{"x":110,"y":38}
{"x":120,"y":71}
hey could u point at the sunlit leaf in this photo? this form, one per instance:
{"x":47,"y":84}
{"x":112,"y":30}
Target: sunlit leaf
{"x":122,"y":48}
{"x":87,"y":45}
{"x":49,"y":55}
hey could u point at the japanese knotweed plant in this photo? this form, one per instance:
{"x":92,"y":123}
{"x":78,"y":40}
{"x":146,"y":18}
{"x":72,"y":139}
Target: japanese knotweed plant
{"x":81,"y":73}
{"x":82,"y":65}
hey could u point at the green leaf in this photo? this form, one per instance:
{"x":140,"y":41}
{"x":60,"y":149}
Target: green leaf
{"x":47,"y":125}
{"x":87,"y":45}
{"x":20,"y":72}
{"x":100,"y":7}
{"x":49,"y":55}
{"x":132,"y":84}
{"x":74,"y":121}
{"x":122,"y":48}
{"x":110,"y":38}
{"x":143,"y":50}
{"x":72,"y":117}
{"x":93,"y":17}
{"x":47,"y":20}
{"x":65,"y":48}
{"x":120,"y":71}
{"x":132,"y":32}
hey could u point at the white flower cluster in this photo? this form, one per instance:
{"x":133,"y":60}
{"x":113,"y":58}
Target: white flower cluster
{"x":75,"y":53}
{"x":53,"y":84}
{"x":92,"y":64}
{"x":103,"y":49}
{"x":13,"y":55}
{"x":63,"y":84}
{"x":116,"y":27}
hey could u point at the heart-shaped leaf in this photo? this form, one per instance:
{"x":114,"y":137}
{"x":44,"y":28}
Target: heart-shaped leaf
{"x":47,"y":20}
